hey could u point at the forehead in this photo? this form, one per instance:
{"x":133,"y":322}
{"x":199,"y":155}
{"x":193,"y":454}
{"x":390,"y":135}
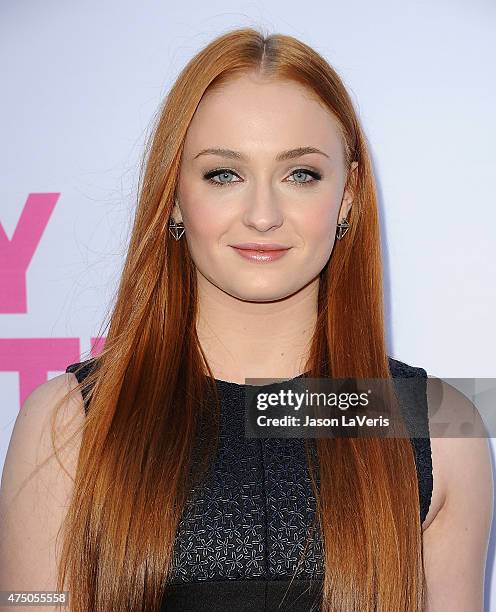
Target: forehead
{"x":256,"y":115}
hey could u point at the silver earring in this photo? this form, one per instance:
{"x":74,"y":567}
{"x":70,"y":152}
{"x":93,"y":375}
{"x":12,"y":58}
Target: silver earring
{"x":176,"y":229}
{"x":343,"y":227}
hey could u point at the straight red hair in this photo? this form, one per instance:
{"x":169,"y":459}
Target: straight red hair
{"x":147,"y":386}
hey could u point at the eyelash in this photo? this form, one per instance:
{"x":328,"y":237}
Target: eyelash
{"x":208,"y":176}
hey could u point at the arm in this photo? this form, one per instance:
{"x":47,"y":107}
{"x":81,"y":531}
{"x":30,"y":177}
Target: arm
{"x":455,"y":543}
{"x":29,"y":523}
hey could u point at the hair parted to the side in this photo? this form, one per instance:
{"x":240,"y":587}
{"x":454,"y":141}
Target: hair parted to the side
{"x":147,"y":386}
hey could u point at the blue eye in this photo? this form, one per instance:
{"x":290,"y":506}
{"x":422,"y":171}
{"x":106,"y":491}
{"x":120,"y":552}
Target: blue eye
{"x":221,"y":173}
{"x":315,"y":176}
{"x":225,"y":173}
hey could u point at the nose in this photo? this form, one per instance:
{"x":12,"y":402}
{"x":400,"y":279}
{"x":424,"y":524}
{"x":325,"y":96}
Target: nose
{"x":263,"y":213}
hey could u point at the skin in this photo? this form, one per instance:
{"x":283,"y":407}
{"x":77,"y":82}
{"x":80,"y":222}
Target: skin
{"x":256,"y":320}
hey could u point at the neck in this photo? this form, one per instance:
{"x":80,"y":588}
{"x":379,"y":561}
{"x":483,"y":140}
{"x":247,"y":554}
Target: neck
{"x":244,"y":339}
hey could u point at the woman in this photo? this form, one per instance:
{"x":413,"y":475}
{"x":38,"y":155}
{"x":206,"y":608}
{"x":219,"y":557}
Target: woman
{"x":257,"y":142}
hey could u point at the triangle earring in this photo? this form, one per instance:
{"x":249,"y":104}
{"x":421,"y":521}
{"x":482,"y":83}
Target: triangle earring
{"x":176,"y":229}
{"x":343,"y":226}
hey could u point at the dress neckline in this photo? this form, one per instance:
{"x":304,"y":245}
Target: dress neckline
{"x":234,"y":385}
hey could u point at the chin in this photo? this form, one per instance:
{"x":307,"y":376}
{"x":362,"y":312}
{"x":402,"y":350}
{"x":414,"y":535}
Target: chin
{"x":262,"y":294}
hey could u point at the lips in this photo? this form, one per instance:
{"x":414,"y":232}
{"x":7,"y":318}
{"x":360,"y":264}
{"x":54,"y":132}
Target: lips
{"x":260,"y":246}
{"x":261,"y":253}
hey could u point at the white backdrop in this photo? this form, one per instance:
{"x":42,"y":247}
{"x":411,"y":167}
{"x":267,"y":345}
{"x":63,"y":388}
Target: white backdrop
{"x":81,"y":83}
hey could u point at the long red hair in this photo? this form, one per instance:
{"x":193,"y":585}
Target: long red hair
{"x":147,"y":386}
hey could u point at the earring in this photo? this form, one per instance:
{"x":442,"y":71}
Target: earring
{"x":176,"y":229}
{"x":343,"y":226}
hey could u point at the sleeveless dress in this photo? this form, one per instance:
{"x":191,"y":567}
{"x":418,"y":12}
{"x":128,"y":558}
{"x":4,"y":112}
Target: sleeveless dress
{"x":242,"y":534}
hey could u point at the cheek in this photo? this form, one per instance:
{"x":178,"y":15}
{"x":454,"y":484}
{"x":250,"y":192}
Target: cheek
{"x":202,"y":226}
{"x":205,"y":215}
{"x":319,"y":229}
{"x":319,"y":235}
{"x":206,"y":228}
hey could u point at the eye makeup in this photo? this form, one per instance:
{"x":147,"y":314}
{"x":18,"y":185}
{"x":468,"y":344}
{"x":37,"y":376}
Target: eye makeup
{"x":212,"y":174}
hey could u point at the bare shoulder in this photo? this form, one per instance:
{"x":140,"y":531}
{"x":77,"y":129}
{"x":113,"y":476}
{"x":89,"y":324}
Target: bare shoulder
{"x":457,"y":527}
{"x":35,"y":490}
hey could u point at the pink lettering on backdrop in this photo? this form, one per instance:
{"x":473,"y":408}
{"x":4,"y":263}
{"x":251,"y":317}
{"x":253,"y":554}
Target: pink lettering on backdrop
{"x":17,"y":253}
{"x":33,"y":358}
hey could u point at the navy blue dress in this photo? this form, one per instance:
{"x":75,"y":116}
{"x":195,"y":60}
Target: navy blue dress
{"x":243,"y":531}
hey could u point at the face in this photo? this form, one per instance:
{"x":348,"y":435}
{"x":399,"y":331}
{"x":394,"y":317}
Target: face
{"x":265,"y":187}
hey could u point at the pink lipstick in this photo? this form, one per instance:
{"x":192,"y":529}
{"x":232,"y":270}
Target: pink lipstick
{"x":260,"y":252}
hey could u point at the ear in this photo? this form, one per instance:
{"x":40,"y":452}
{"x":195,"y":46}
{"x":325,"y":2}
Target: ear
{"x":176,"y":212}
{"x":349,"y":192}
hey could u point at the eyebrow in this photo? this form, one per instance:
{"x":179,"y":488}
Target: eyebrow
{"x":283,"y":156}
